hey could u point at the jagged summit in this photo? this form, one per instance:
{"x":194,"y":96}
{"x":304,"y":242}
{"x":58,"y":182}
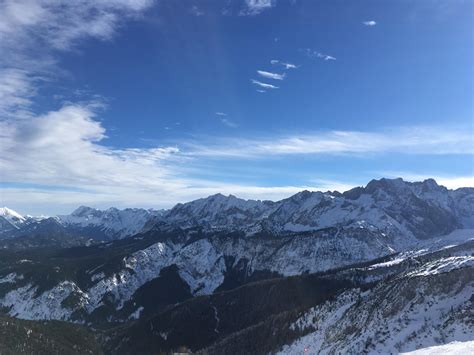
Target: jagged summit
{"x":392,"y":206}
{"x":82,"y":211}
{"x":11,"y":215}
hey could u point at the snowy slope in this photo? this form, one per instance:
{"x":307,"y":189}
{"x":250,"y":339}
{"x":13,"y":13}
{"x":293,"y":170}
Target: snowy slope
{"x":393,"y":207}
{"x":417,"y":309}
{"x":453,"y":348}
{"x":219,"y":212}
{"x":10,"y":221}
{"x":112,"y":223}
{"x":204,"y":263}
{"x":308,"y":232}
{"x":12,"y":216}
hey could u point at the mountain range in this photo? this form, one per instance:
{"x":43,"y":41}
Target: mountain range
{"x":390,"y":206}
{"x":295,"y":269}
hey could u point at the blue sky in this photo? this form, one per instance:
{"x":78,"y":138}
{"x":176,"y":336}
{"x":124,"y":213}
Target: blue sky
{"x":148,"y":103}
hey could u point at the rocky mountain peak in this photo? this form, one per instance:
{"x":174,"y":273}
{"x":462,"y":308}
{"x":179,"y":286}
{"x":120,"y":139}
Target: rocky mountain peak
{"x":11,"y":215}
{"x":83,"y":211}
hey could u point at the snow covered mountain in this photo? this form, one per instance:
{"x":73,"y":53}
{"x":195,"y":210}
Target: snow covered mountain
{"x":204,"y":265}
{"x":389,"y":235}
{"x":219,"y":212}
{"x":390,"y":207}
{"x":109,"y":224}
{"x":84,"y":221}
{"x":427,"y":306}
{"x":10,"y":220}
{"x":12,"y":216}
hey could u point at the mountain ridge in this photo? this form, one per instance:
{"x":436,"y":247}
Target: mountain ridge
{"x":380,"y":203}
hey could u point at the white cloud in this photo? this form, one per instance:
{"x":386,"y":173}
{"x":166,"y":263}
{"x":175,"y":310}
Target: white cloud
{"x":409,"y":140}
{"x":62,"y":148}
{"x":326,"y":56}
{"x":61,"y":24}
{"x":255,"y":7}
{"x":264,"y":85}
{"x":283,"y":64}
{"x":315,"y":54}
{"x":66,"y":148}
{"x":369,"y":23}
{"x":269,"y":75}
{"x":225,"y":120}
{"x":16,"y":92}
{"x":33,"y":31}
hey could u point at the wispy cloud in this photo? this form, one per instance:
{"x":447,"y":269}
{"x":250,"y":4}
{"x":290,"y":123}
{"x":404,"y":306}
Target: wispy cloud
{"x":264,"y":85}
{"x":255,"y":7}
{"x":408,"y":140}
{"x":225,"y":120}
{"x":369,"y":23}
{"x":326,"y":56}
{"x":33,"y":32}
{"x":229,"y":123}
{"x":196,"y":11}
{"x":61,"y":24}
{"x":270,"y":75}
{"x":63,"y":147}
{"x":67,"y":146}
{"x":315,"y":54}
{"x":285,"y":65}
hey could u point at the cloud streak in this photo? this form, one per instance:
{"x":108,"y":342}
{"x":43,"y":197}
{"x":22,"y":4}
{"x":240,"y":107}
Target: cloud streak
{"x":66,"y":148}
{"x":255,"y":7}
{"x":229,"y":123}
{"x":370,"y":23}
{"x":315,"y":54}
{"x":264,"y":85}
{"x":225,"y":120}
{"x":408,"y":140}
{"x":285,"y":65}
{"x":270,"y":75}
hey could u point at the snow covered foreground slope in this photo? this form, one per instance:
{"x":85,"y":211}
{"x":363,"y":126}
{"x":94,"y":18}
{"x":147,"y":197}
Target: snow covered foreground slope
{"x":425,"y":307}
{"x":454,"y":348}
